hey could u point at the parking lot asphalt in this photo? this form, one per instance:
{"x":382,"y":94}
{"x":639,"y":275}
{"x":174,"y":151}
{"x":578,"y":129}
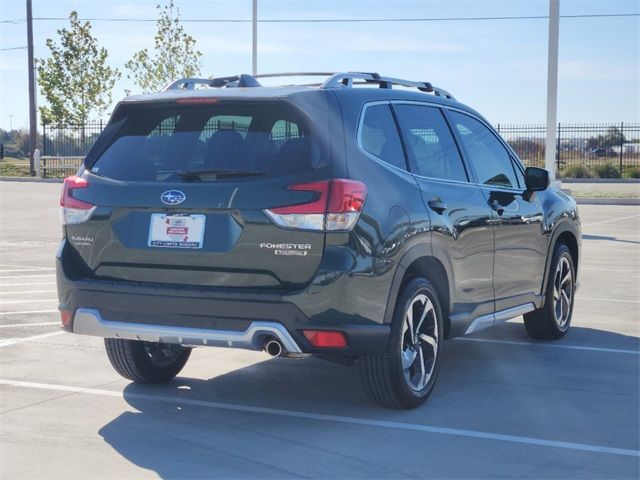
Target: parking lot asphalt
{"x":504,"y":406}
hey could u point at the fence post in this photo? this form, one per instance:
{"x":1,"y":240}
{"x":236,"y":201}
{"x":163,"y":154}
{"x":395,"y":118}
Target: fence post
{"x":558,"y":152}
{"x":498,"y":128}
{"x":621,"y":145}
{"x":36,"y":162}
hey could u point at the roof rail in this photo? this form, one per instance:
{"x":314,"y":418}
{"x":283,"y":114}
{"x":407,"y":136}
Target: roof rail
{"x":339,"y":80}
{"x":335,"y":80}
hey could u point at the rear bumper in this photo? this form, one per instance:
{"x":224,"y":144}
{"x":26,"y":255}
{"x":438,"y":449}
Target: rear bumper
{"x":89,"y":321}
{"x":206,"y":316}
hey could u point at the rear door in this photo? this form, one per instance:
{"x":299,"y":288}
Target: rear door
{"x":181,"y":190}
{"x":462,"y":235}
{"x":520,"y":242}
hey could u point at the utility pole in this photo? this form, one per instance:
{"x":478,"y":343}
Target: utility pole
{"x":552,"y":88}
{"x":11,"y":122}
{"x":254,"y":39}
{"x":32,"y":90}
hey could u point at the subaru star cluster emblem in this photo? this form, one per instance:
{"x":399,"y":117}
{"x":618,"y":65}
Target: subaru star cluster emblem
{"x":173,"y":197}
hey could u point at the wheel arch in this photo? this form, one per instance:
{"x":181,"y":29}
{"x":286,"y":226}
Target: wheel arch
{"x":567,"y":234}
{"x":420,"y":263}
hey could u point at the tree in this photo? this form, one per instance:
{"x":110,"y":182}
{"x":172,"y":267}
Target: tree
{"x":612,"y":137}
{"x":75,"y":80}
{"x":174,"y":56}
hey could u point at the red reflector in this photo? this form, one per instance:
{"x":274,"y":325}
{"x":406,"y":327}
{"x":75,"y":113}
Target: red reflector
{"x":325,"y":339}
{"x":196,"y":100}
{"x":66,"y":197}
{"x":65,"y":317}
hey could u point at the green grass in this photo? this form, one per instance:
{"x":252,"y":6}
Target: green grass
{"x":14,"y":169}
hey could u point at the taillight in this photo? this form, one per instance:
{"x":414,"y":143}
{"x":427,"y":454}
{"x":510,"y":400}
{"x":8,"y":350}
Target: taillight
{"x":336,"y":205}
{"x":73,"y":210}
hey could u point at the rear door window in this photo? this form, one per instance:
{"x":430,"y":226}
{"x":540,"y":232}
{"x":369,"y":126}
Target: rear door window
{"x":162,"y":142}
{"x":379,"y":135}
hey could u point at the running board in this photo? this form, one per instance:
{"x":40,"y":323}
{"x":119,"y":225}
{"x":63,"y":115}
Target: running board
{"x":486,"y":321}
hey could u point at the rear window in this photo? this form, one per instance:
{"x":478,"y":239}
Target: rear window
{"x":212,"y":141}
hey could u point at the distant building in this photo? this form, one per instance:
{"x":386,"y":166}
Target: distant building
{"x":627,"y":148}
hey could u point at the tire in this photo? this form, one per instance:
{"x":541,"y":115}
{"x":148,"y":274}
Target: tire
{"x":146,"y":362}
{"x":552,"y":320}
{"x":394,"y":378}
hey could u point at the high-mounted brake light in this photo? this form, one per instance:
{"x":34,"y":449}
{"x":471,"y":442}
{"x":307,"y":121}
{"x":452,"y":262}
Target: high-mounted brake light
{"x":73,"y":210}
{"x":336,"y":205}
{"x":197,"y":100}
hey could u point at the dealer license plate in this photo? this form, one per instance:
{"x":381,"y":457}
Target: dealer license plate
{"x":176,"y":231}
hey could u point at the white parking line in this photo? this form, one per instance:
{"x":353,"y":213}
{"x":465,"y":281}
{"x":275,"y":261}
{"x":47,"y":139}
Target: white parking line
{"x":331,"y":418}
{"x":607,"y":269}
{"x":549,"y":345}
{"x":52,"y":282}
{"x":614,"y":300}
{"x":42,"y":300}
{"x":5,"y":265}
{"x":28,"y":276}
{"x":611,"y":220}
{"x":27,"y":270}
{"x":13,"y":341}
{"x":40,"y":324}
{"x":25,"y":312}
{"x":23,"y":292}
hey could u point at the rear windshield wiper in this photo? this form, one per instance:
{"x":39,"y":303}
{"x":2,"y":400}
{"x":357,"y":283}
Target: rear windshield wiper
{"x":197,"y":174}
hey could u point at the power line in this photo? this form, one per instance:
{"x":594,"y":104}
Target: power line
{"x":12,"y":48}
{"x":336,"y":20}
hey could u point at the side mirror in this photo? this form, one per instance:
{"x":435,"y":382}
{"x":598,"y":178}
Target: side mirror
{"x":536,"y":179}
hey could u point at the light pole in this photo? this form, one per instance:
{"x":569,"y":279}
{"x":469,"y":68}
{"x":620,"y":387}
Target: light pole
{"x":552,"y":88}
{"x":254,"y":39}
{"x":32,"y":89}
{"x":11,"y":122}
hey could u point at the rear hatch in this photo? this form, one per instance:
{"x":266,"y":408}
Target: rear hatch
{"x":180,"y":190}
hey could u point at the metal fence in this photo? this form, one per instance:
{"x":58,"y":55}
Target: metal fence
{"x":69,"y":140}
{"x":588,"y":145}
{"x":615,"y":147}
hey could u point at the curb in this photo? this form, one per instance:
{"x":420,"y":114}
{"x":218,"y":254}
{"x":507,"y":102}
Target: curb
{"x":30,"y":179}
{"x":607,"y":201}
{"x":599,"y":180}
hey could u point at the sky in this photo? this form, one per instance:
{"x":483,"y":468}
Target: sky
{"x":496,"y":66}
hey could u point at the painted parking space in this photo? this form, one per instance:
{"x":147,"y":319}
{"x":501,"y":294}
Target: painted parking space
{"x":503,"y":403}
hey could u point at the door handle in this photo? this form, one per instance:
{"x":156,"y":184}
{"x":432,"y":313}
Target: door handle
{"x":497,"y":206}
{"x":437,"y":206}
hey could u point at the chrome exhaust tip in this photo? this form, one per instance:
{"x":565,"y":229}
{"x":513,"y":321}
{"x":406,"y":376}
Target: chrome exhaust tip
{"x":274,"y":348}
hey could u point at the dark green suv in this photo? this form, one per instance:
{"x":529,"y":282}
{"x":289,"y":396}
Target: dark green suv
{"x":363,"y":220}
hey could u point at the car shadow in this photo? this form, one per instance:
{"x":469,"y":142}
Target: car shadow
{"x":191,"y":427}
{"x":607,"y":238}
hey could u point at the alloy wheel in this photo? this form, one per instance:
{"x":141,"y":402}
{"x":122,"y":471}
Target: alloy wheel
{"x":162,"y":354}
{"x":419,"y":342}
{"x":562,"y":292}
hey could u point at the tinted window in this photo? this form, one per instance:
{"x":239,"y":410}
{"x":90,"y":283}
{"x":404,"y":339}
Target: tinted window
{"x":430,"y":145}
{"x":156,"y":142}
{"x":490,"y":160}
{"x":379,"y":136}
